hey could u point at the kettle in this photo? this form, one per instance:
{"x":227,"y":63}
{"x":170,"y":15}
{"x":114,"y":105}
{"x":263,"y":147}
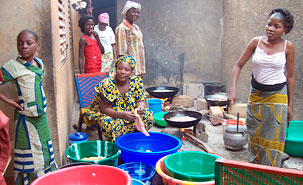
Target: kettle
{"x":235,"y":137}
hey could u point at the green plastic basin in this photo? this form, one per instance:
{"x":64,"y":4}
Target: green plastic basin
{"x":77,"y":151}
{"x":191,"y":166}
{"x":294,"y":139}
{"x":158,"y":117}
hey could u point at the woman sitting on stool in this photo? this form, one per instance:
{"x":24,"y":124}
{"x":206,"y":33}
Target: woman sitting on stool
{"x":116,"y":99}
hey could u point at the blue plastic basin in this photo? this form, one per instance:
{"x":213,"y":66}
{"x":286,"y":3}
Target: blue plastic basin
{"x":137,"y":182}
{"x":140,"y":171}
{"x":136,"y":147}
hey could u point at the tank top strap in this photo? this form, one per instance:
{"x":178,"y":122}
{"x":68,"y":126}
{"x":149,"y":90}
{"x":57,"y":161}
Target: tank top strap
{"x":285,"y":45}
{"x":259,"y":41}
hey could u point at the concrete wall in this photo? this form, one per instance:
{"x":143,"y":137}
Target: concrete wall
{"x":64,"y":83}
{"x":182,"y":40}
{"x":76,"y":36}
{"x":244,"y":20}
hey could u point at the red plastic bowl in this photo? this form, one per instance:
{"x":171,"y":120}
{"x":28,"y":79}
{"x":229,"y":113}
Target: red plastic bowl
{"x":86,"y":175}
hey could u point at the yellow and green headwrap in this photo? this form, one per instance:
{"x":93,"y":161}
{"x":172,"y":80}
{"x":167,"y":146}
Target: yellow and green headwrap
{"x":128,"y":59}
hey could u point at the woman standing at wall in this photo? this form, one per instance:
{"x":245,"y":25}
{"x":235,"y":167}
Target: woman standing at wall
{"x":129,"y":38}
{"x":271,"y":95}
{"x":90,"y":47}
{"x":107,"y":38}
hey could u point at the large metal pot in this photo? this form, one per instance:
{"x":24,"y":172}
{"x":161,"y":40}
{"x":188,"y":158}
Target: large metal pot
{"x":235,"y":139}
{"x":162,"y":91}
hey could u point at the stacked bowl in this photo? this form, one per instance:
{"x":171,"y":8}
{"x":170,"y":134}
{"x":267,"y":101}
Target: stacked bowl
{"x":136,"y":147}
{"x":96,"y":152}
{"x":187,"y":167}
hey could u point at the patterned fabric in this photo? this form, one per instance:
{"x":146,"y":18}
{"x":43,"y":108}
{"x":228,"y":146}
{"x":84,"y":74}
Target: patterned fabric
{"x":107,"y":62}
{"x":129,"y":42}
{"x":33,"y":152}
{"x":266,"y":124}
{"x":28,"y":178}
{"x":27,"y":79}
{"x":92,"y":53}
{"x":107,"y":90}
{"x":127,"y":59}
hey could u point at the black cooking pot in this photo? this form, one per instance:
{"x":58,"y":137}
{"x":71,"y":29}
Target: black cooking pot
{"x":182,"y":124}
{"x":217,"y":100}
{"x":167,"y":91}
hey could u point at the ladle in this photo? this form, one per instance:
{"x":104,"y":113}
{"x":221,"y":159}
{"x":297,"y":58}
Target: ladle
{"x":237,"y":121}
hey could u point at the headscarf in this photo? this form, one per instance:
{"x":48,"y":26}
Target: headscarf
{"x":128,"y":59}
{"x":130,"y":4}
{"x":104,"y":18}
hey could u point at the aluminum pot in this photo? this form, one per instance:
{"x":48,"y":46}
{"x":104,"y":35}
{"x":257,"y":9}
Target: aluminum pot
{"x":235,"y":139}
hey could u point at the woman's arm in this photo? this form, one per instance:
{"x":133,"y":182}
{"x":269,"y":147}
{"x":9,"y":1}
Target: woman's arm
{"x":290,"y":55}
{"x":238,"y":66}
{"x":82,"y":44}
{"x":114,"y":51}
{"x":10,"y":102}
{"x":107,"y":109}
{"x":99,"y":42}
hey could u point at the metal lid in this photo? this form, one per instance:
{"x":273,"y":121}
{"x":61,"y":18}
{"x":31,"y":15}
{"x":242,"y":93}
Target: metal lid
{"x":78,"y":136}
{"x":233,"y":128}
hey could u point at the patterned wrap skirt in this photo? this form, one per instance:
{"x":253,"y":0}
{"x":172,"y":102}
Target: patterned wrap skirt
{"x":113,"y":128}
{"x":266,"y":124}
{"x":33,"y":152}
{"x":107,"y":62}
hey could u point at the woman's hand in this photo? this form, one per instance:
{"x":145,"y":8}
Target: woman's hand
{"x":129,"y":116}
{"x":15,"y":104}
{"x":140,"y":110}
{"x":289,"y":113}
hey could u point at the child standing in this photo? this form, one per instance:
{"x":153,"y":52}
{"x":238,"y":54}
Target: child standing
{"x":33,"y":151}
{"x":90,"y":47}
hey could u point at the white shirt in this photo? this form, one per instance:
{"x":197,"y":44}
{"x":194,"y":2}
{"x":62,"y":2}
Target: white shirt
{"x":107,"y":38}
{"x":269,"y":69}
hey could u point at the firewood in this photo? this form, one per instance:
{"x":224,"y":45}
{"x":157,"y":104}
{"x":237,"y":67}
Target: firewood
{"x":198,"y":142}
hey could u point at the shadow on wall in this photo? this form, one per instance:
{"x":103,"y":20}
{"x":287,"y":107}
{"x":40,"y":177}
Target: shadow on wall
{"x":167,"y":73}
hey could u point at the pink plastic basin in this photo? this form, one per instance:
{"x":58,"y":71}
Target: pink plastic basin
{"x":86,"y":175}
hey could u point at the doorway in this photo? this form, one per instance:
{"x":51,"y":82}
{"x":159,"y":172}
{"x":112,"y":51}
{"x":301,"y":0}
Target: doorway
{"x":109,"y":6}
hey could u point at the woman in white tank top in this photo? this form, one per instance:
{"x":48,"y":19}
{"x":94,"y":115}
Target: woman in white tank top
{"x":270,"y":104}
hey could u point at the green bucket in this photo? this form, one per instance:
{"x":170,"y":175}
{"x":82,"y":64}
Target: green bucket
{"x":77,"y":151}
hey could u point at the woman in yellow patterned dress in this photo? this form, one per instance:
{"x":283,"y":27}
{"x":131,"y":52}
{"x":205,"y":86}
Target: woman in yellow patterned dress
{"x":115,"y":101}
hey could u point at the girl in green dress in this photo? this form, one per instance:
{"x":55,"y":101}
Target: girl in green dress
{"x":33,"y":151}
